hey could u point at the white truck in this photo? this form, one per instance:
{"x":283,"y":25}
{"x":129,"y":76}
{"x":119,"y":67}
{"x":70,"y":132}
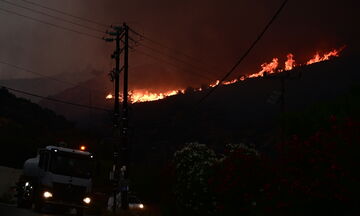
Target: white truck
{"x":56,"y":176}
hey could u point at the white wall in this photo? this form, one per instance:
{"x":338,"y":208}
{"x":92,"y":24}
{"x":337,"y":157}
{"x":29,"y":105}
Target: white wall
{"x":8,"y":178}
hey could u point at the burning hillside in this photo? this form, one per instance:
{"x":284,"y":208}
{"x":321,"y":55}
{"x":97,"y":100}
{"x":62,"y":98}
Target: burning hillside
{"x":140,"y":95}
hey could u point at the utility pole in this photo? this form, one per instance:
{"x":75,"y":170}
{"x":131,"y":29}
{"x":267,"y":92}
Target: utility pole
{"x":282,"y":75}
{"x":115,"y":76}
{"x":121,"y":164}
{"x":125,"y":127}
{"x":282,"y":105}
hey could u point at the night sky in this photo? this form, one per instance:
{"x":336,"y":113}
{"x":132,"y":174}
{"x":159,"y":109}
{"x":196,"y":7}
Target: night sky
{"x":215,"y":33}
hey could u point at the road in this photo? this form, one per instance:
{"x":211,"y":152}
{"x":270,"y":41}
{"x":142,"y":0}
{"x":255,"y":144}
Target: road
{"x":12,"y":210}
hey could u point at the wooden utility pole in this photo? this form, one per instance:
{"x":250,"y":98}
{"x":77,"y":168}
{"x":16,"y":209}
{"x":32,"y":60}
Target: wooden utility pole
{"x":125,"y":126}
{"x":121,"y":152}
{"x":115,"y":74}
{"x":282,"y":75}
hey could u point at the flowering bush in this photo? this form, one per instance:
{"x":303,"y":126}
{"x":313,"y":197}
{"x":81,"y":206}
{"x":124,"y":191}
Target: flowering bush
{"x":193,"y":167}
{"x":231,"y":148}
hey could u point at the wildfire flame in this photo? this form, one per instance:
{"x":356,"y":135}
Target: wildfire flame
{"x":317,"y":58}
{"x":138,"y":96}
{"x":267,"y":68}
{"x":290,"y":62}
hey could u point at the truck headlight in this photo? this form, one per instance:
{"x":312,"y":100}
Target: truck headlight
{"x":87,"y":200}
{"x":47,"y":194}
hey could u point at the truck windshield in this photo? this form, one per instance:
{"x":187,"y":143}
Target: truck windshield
{"x":70,"y":164}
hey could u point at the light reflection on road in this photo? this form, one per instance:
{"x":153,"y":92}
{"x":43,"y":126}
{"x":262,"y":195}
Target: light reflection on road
{"x":12,"y":210}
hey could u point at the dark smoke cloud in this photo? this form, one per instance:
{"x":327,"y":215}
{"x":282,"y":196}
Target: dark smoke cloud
{"x":212,"y":31}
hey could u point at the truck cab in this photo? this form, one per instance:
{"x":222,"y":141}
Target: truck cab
{"x":57,"y":176}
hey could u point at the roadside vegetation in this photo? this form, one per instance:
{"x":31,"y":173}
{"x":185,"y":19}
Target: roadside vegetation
{"x":313,"y":172}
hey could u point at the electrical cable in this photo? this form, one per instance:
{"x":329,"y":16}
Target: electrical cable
{"x":52,"y":16}
{"x":55,"y":100}
{"x":162,"y":45}
{"x":96,"y":37}
{"x":47,"y":77}
{"x":247,"y":51}
{"x":173,"y":65}
{"x":51,"y":24}
{"x":66,"y":13}
{"x":196,"y":68}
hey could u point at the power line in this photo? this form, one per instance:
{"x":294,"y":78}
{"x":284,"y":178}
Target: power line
{"x":51,"y":24}
{"x":96,"y":37}
{"x":247,"y":51}
{"x":36,"y":73}
{"x":173,"y":65}
{"x":66,"y":13}
{"x":55,"y":100}
{"x":167,"y":62}
{"x":191,"y":58}
{"x":52,"y":16}
{"x":162,"y":45}
{"x":172,"y":57}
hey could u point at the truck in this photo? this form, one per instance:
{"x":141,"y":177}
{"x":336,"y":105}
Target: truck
{"x":57,"y":176}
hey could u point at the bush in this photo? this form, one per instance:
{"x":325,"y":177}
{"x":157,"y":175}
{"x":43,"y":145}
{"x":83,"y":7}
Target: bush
{"x":316,"y":175}
{"x":192,"y":170}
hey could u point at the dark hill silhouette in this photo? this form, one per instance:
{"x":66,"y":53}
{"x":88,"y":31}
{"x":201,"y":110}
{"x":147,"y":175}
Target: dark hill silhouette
{"x":25,"y":126}
{"x":234,"y":113}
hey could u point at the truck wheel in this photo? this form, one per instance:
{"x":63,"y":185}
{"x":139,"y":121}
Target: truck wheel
{"x":38,"y":205}
{"x":23,"y":204}
{"x":20,"y":202}
{"x":79,"y":211}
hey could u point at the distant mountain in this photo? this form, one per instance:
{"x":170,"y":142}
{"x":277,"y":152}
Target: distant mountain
{"x":48,"y":86}
{"x":39,"y":86}
{"x":89,"y":93}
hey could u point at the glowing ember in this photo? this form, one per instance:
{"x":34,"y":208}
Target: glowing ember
{"x":230,"y":82}
{"x":290,"y":62}
{"x":138,"y":96}
{"x":215,"y":84}
{"x":109,"y":96}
